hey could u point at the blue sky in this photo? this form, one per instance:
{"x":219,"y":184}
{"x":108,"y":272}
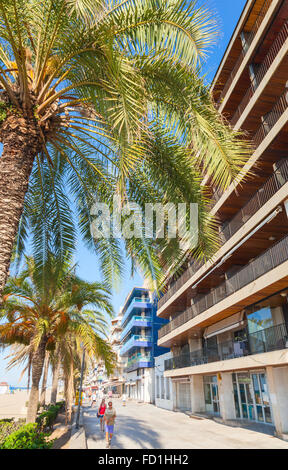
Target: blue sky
{"x":228,"y":12}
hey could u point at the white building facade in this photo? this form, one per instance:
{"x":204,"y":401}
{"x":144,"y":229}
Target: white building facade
{"x":163,"y":385}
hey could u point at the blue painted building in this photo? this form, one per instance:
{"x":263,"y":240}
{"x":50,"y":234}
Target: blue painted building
{"x":140,"y":326}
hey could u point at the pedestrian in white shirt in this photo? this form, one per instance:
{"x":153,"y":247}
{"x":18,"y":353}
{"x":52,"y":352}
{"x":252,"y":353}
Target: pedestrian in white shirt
{"x":93,"y":399}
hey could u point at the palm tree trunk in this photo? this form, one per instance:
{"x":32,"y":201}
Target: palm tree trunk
{"x":37,"y":368}
{"x":44,"y":380}
{"x":55,"y":379}
{"x":21,"y":143}
{"x":69,"y":392}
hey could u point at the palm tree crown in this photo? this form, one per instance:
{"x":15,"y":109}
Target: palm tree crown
{"x":101,"y":97}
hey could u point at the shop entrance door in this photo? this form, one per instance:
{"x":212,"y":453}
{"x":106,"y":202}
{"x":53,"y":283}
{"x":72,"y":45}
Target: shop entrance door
{"x":184,"y":396}
{"x":211,"y":395}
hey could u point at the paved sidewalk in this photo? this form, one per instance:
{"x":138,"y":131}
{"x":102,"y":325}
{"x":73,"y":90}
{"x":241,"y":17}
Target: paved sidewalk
{"x":144,"y":426}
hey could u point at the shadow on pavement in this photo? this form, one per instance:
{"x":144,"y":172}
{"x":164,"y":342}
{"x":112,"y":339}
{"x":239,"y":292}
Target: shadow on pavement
{"x":128,"y":428}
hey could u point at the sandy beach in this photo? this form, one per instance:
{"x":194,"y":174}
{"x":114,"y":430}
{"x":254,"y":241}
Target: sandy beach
{"x":13,"y":405}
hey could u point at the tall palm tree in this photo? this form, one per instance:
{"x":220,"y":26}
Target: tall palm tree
{"x":56,"y":368}
{"x":44,"y":380}
{"x":41,"y":306}
{"x":93,"y":94}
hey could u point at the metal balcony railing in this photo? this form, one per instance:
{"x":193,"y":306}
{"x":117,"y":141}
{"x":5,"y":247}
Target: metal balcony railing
{"x":133,"y":322}
{"x":270,"y":119}
{"x":248,"y":42}
{"x":175,"y":286}
{"x":266,"y":192}
{"x":264,"y":263}
{"x":265,"y":66}
{"x":135,"y":338}
{"x":227,"y":230}
{"x":265,"y":340}
{"x":138,"y":358}
{"x":135,"y":360}
{"x":266,"y":126}
{"x":133,"y":303}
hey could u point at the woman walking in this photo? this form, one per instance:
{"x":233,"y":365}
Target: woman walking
{"x":110,"y":415}
{"x":101,"y":413}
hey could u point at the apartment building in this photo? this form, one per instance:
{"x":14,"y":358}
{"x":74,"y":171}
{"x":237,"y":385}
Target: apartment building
{"x":116,"y":380}
{"x":228,"y":317}
{"x":139,"y":343}
{"x":95,"y":378}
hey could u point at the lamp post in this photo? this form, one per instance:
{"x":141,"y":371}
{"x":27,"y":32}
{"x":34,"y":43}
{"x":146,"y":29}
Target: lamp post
{"x":80,"y":390}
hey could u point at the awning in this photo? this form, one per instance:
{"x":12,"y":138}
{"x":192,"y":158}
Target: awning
{"x":183,"y":380}
{"x":114,"y":384}
{"x":131,"y":383}
{"x":227,"y":324}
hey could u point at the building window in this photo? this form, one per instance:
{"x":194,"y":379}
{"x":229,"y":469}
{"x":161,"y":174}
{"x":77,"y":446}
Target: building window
{"x":162,"y":388}
{"x":259,"y":320}
{"x":157,"y":387}
{"x":167,"y":389}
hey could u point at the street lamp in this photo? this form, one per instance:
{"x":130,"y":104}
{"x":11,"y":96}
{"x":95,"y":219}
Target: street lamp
{"x":80,"y":390}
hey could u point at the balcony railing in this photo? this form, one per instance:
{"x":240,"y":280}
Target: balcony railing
{"x":226,"y":231}
{"x":266,"y":192}
{"x":264,"y":263}
{"x":270,"y":120}
{"x":175,"y":286}
{"x":133,"y":322}
{"x":268,"y":339}
{"x":248,"y":41}
{"x":266,"y":64}
{"x":135,"y":339}
{"x":134,"y":303}
{"x":136,"y":359}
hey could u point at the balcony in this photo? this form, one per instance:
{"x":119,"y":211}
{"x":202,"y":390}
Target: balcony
{"x":266,"y":340}
{"x":265,"y":66}
{"x":175,"y":286}
{"x":137,"y":302}
{"x":136,"y":341}
{"x":264,"y":129}
{"x":264,"y":263}
{"x":136,"y":321}
{"x":227,"y":230}
{"x":266,"y":192}
{"x":248,"y":41}
{"x":137,"y":361}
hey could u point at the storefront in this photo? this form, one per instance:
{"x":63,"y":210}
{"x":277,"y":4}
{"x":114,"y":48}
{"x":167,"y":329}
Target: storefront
{"x":251,"y":395}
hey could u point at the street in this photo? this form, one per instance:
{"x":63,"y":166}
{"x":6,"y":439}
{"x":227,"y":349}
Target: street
{"x":144,"y":426}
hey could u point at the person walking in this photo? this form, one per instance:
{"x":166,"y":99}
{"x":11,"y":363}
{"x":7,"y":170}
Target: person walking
{"x":101,"y":413}
{"x":124,"y":399}
{"x":93,"y":399}
{"x":110,"y":416}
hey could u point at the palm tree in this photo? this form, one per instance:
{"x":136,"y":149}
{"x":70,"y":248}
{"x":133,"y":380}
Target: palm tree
{"x":56,"y":367}
{"x":43,"y":306}
{"x":95,"y":94}
{"x":44,"y":380}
